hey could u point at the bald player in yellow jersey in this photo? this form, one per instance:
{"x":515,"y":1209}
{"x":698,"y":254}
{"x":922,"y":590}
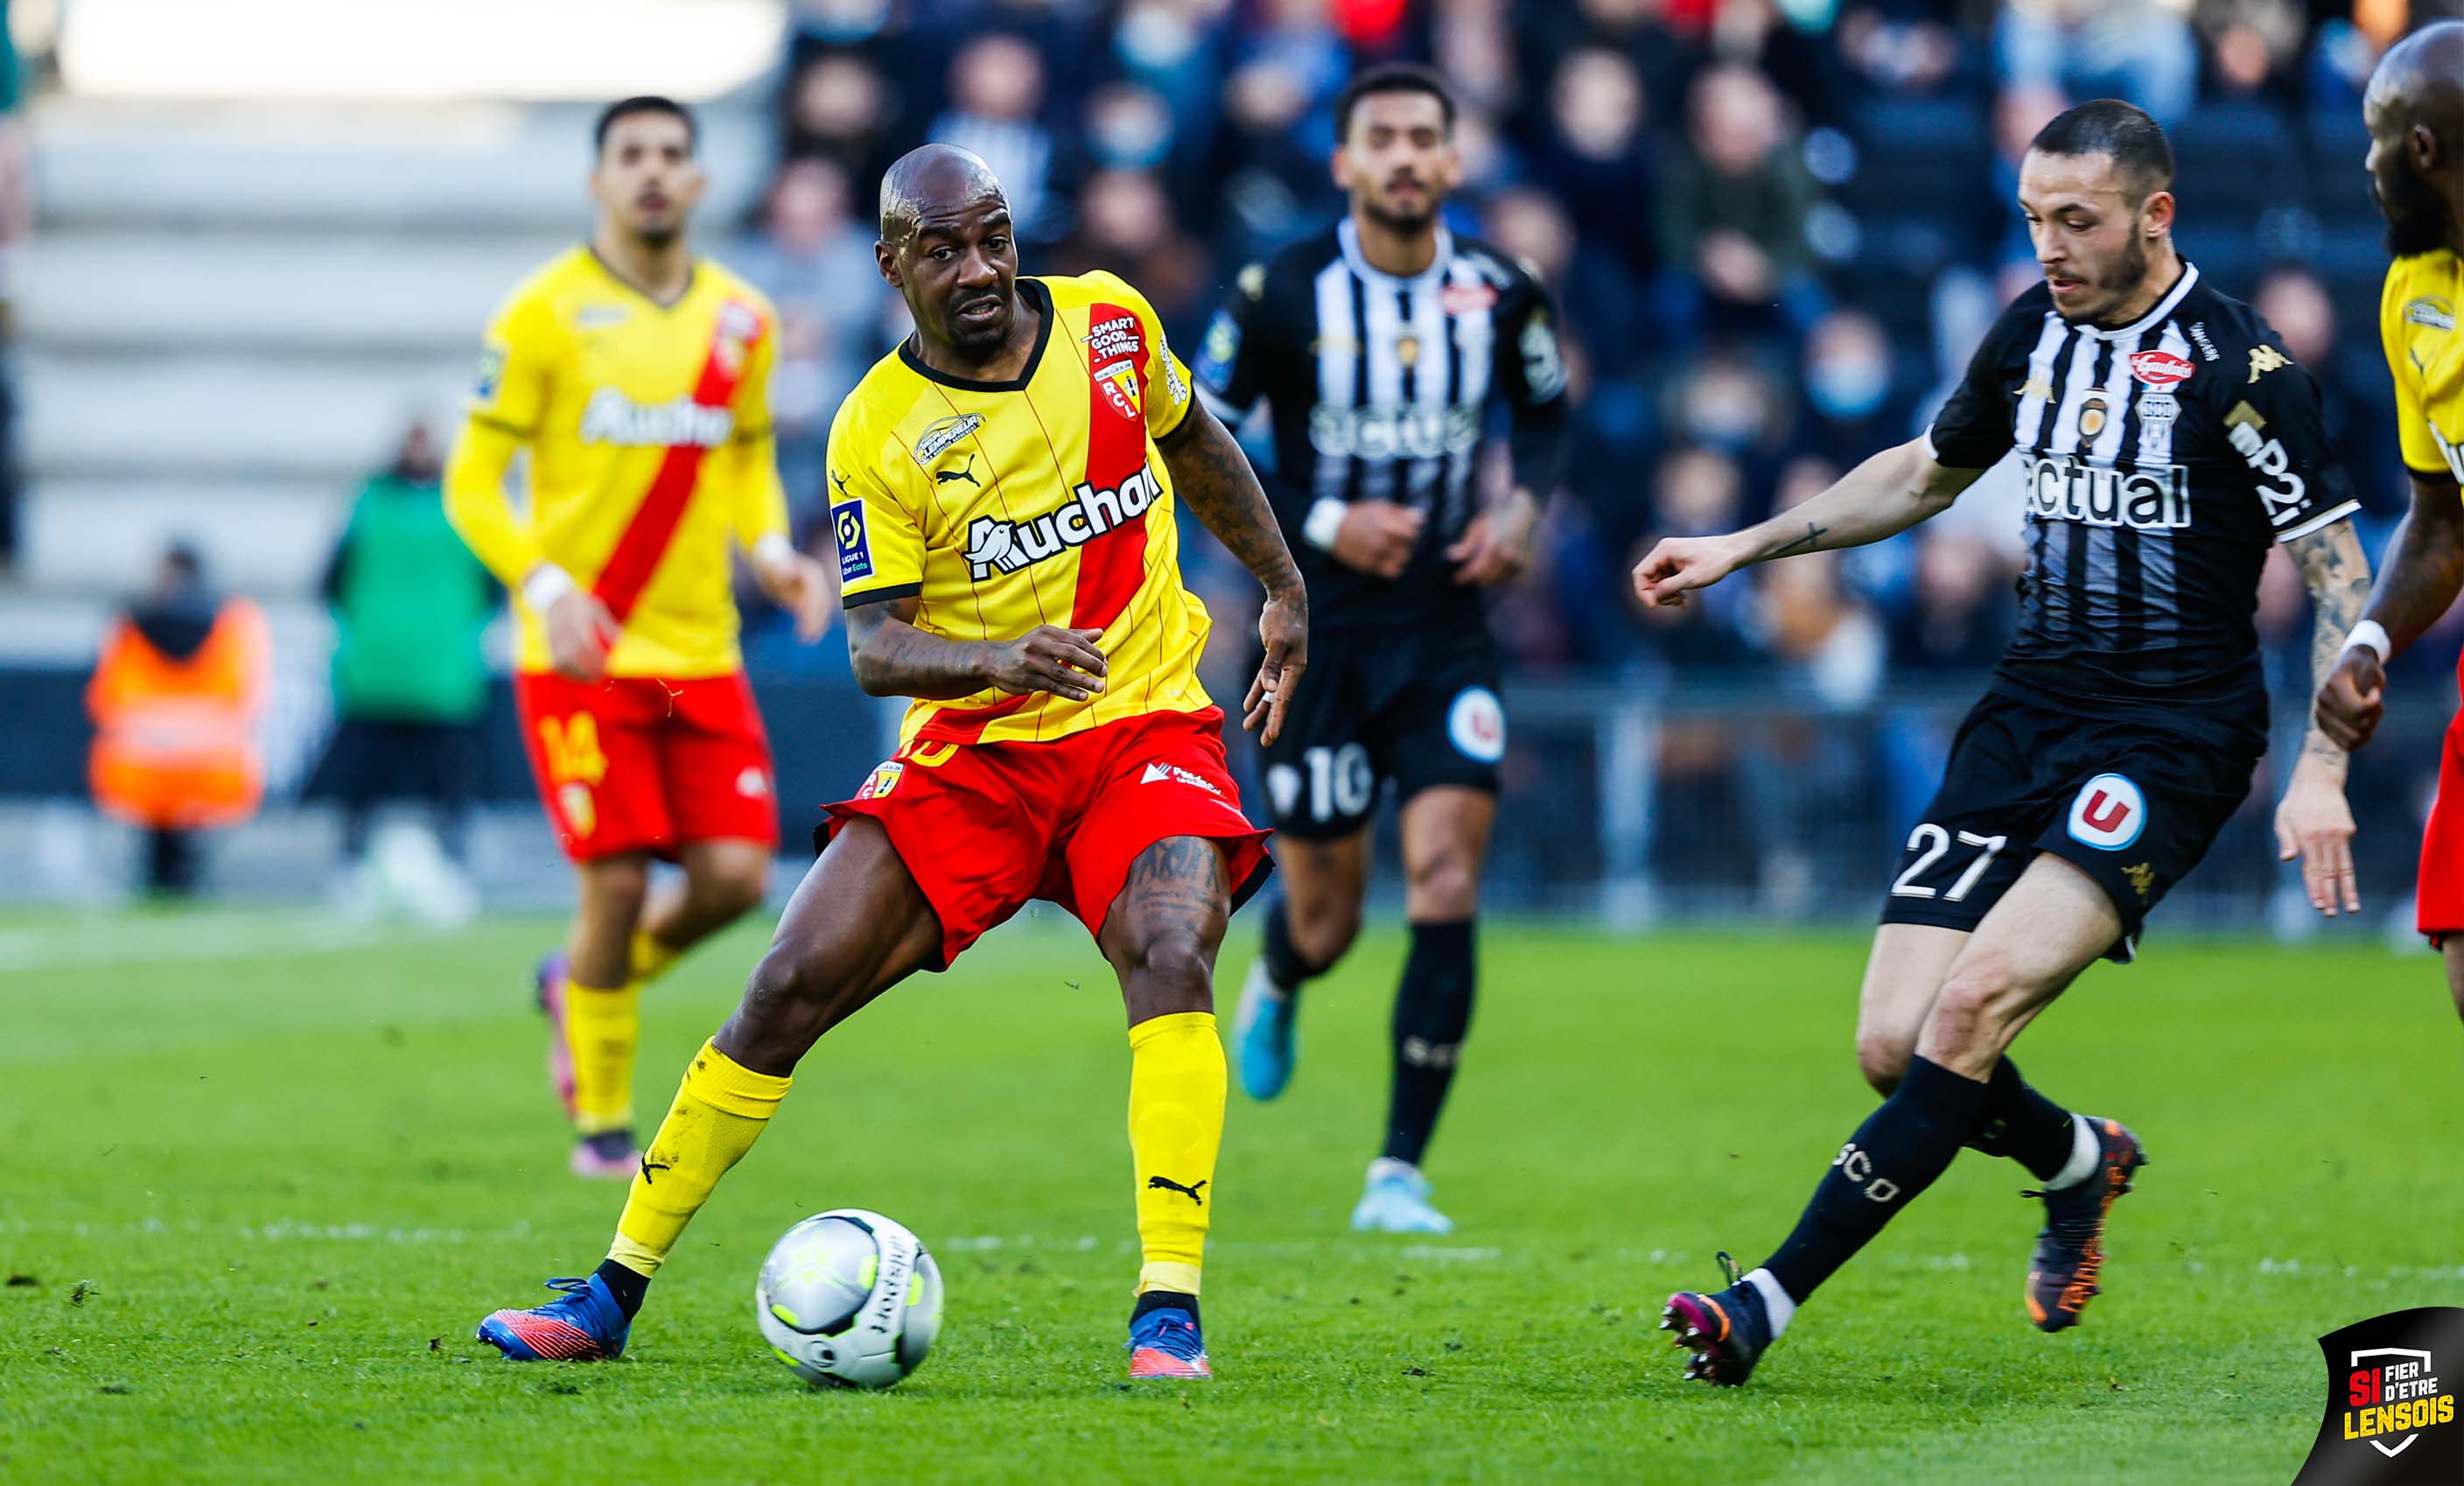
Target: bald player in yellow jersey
{"x":636,"y":376}
{"x":2416,"y":111}
{"x":1003,"y":495}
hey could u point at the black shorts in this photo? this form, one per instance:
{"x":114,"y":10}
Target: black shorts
{"x":1418,"y":707}
{"x":2132,"y":806}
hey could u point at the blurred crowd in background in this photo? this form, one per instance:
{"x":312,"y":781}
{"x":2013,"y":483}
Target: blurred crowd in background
{"x":1775,"y":228}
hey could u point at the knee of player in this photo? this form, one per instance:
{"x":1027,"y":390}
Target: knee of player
{"x":1883,"y":1059}
{"x":1176,"y":956}
{"x":1323,"y":931}
{"x":1981,"y":991}
{"x":739,"y":886}
{"x":1444,"y":886}
{"x":784,"y":980}
{"x":618,"y":887}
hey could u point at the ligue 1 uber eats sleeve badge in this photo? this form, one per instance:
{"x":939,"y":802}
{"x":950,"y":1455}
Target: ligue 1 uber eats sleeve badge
{"x":2390,"y":1417}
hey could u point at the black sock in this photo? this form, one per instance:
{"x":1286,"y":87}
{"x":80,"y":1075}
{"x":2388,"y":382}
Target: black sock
{"x":1894,"y":1155}
{"x":1432,"y":1011}
{"x":627,"y":1286}
{"x":2023,"y":1124}
{"x":1284,"y":961}
{"x":1165,"y":1301}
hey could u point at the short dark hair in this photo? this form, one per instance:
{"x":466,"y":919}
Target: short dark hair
{"x":646,"y":103}
{"x":1391,"y":77}
{"x":2110,"y":127}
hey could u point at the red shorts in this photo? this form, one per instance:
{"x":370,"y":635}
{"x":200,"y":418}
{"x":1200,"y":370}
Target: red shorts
{"x":2438,"y":899}
{"x":985,"y":827}
{"x":633,"y":763}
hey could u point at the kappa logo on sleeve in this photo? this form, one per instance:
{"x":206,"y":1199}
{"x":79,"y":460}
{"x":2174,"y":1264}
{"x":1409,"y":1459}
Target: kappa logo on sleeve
{"x":855,"y":551}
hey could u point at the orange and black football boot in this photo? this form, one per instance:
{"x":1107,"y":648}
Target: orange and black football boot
{"x":2068,"y":1269}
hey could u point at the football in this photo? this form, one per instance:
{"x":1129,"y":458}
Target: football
{"x":849,"y":1298}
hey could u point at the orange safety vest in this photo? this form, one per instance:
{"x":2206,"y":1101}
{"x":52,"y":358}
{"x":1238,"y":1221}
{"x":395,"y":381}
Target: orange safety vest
{"x":174,"y":740}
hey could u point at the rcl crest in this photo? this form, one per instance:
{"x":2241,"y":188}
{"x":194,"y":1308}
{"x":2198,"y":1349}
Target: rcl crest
{"x":2161,"y":370}
{"x":1121,"y":386}
{"x":2108,"y":812}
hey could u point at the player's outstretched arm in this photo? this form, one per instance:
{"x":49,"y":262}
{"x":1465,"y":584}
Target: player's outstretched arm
{"x":892,"y":657}
{"x":1212,"y":476}
{"x":1881,"y":497}
{"x":2314,"y":822}
{"x":2423,"y":571}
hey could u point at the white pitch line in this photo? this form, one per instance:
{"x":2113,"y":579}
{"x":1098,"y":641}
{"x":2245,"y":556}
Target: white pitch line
{"x":104,"y":942}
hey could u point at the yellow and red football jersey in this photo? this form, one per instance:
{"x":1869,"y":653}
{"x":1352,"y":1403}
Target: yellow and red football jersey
{"x":650,"y":446}
{"x":1000,"y":506}
{"x":2426,"y":356}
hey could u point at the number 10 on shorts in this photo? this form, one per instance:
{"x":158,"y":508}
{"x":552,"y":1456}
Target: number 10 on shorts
{"x":1931,"y":844}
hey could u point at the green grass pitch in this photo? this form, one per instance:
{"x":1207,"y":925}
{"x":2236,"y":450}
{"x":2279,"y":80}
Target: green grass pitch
{"x":259,"y":1177}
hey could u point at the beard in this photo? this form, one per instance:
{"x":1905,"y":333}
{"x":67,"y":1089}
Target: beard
{"x":2419,"y":219}
{"x":2114,"y":284}
{"x":1398,"y":220}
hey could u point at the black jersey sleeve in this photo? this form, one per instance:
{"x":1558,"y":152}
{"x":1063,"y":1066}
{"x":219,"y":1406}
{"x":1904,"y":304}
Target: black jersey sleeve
{"x":1974,"y":429}
{"x":1231,"y":359}
{"x":1531,"y":373}
{"x":2273,"y":420}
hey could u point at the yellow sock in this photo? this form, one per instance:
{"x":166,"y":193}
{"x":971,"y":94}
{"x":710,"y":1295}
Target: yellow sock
{"x":1175,"y":1128}
{"x":651,"y":958}
{"x":602,"y":1028}
{"x":720,"y":1111}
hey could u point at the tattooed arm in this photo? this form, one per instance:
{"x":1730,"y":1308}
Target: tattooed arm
{"x":892,"y":657}
{"x":2425,"y":568}
{"x":2314,"y":822}
{"x":1881,"y":497}
{"x":1213,"y":478}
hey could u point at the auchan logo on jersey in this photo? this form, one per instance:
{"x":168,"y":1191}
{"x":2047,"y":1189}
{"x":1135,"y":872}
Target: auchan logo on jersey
{"x":1007,"y":546}
{"x":2161,"y":370}
{"x":611,"y":417}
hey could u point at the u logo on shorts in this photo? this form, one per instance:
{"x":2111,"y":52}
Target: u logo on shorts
{"x":2107,"y":813}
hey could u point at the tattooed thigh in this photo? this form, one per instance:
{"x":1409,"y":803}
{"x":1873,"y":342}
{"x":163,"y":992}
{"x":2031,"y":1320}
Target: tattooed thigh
{"x":1179,"y":894}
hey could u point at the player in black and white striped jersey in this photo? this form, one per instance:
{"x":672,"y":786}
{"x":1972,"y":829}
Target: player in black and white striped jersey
{"x":2165,"y":441}
{"x":1384,"y":348}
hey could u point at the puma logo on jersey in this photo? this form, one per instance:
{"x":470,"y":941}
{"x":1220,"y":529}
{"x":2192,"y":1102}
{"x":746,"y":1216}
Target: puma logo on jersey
{"x":1168,"y":1184}
{"x":995,"y":545}
{"x":966,"y":473}
{"x":611,"y":417}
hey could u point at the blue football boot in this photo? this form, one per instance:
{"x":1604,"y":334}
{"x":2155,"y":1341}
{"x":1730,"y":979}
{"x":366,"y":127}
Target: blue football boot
{"x":1395,"y":1200}
{"x":587,"y":1325}
{"x":1264,"y":1031}
{"x":1166,"y":1344}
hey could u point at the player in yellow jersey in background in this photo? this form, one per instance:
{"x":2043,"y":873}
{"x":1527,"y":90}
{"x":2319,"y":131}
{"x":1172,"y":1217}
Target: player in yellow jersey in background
{"x":2416,"y":111}
{"x":637,"y":377}
{"x":1004,"y":485}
